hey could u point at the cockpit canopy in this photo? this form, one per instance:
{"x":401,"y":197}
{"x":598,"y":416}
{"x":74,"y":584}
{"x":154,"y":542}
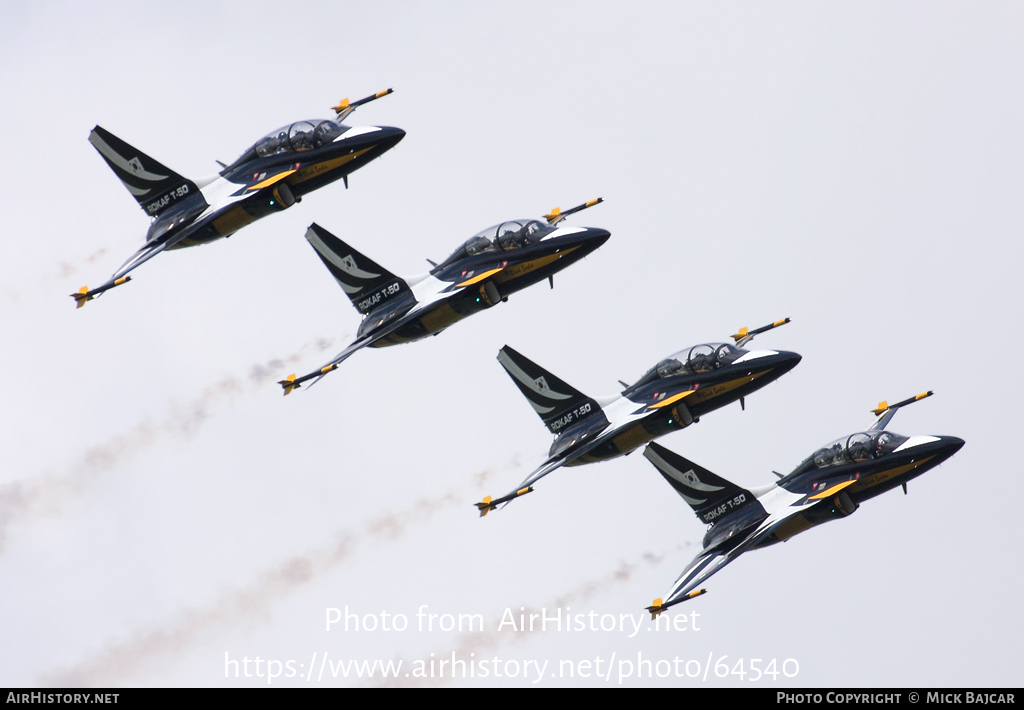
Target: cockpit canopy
{"x":862,"y":446}
{"x":501,"y":237}
{"x":299,"y":136}
{"x":699,"y":358}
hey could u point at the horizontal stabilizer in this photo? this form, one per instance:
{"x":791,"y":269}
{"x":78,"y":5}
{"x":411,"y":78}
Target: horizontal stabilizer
{"x":345,"y":107}
{"x":556,"y":215}
{"x":886,"y":411}
{"x":744,"y":336}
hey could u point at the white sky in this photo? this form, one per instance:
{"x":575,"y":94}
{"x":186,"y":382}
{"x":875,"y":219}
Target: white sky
{"x":853,"y":166}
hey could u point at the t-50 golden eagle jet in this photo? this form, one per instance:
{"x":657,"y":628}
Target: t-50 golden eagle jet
{"x":481,"y":273}
{"x":269,"y":177}
{"x":671,"y":395}
{"x":830,"y":484}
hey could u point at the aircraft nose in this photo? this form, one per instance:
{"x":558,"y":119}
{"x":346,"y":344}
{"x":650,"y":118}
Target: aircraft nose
{"x":787,"y":361}
{"x":951,"y":444}
{"x":597,"y":237}
{"x":390,"y":136}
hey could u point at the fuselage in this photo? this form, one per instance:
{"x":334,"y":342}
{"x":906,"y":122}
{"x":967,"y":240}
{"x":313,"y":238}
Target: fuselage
{"x":488,"y":278}
{"x":225,"y":203}
{"x":655,"y":406}
{"x":827,"y":490}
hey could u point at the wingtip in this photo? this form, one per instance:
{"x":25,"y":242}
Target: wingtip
{"x":81,"y":297}
{"x":484,"y":506}
{"x":656,"y":609}
{"x":288,"y":384}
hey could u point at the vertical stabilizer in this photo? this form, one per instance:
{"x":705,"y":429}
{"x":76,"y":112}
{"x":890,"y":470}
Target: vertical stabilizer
{"x":155,"y":187}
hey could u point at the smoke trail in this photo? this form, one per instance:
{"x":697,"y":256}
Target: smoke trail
{"x":124,"y":659}
{"x":61,"y":272}
{"x":478,"y":642}
{"x":44,"y":493}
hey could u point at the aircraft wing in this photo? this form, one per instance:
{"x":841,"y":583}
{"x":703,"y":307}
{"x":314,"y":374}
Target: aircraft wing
{"x":709,"y":562}
{"x":554,"y":463}
{"x":292,"y":382}
{"x":139,"y":258}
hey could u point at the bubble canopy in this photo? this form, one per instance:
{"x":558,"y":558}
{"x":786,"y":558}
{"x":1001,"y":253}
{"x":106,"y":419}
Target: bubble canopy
{"x":862,"y":446}
{"x":299,"y":136}
{"x":693,"y":360}
{"x":501,"y":237}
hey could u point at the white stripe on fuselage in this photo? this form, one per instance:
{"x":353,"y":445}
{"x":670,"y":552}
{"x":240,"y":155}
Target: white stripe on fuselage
{"x":753,"y":355}
{"x":563,"y":232}
{"x":777,"y":499}
{"x":916,"y":441}
{"x":623,"y":412}
{"x":218,"y":195}
{"x":356,"y":131}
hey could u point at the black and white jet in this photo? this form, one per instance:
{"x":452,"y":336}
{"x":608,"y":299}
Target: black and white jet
{"x":481,"y":273}
{"x":671,"y":395}
{"x":270,"y":176}
{"x":830,"y":484}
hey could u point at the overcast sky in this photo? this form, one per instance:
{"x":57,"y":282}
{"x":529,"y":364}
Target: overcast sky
{"x":853,"y":166}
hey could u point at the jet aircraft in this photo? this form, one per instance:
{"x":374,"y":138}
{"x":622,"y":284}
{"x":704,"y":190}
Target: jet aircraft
{"x":830,"y":484}
{"x":481,"y":273}
{"x":671,"y":395}
{"x":270,"y":176}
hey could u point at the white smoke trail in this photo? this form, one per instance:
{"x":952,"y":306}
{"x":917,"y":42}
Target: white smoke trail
{"x":479,"y":642}
{"x":44,"y":493}
{"x":60,"y":273}
{"x":126,"y":658}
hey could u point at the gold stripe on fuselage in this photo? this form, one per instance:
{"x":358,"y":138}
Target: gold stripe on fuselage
{"x":834,"y":489}
{"x":478,"y":277}
{"x":515,"y":271}
{"x":271,"y":180}
{"x":674,"y":398}
{"x":317,"y":169}
{"x":705,"y":394}
{"x":882,"y":476}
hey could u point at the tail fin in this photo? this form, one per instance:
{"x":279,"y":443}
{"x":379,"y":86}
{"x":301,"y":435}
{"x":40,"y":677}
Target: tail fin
{"x":155,"y":187}
{"x":557,"y":403}
{"x":367,"y":284}
{"x":710,"y":496}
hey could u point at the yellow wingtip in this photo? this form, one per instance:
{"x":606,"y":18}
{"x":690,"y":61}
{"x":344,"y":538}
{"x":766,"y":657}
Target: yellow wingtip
{"x":655,"y":608}
{"x":288,"y":384}
{"x":81,"y":297}
{"x":484,"y":506}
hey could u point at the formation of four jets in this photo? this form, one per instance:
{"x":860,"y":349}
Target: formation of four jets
{"x":280,"y":168}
